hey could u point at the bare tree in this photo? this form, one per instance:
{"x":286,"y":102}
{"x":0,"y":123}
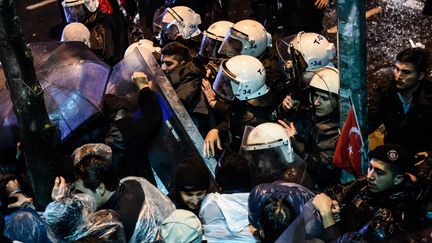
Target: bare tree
{"x":36,"y":130}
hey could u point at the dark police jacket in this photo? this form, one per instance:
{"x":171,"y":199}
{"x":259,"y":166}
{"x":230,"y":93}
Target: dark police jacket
{"x":374,"y":216}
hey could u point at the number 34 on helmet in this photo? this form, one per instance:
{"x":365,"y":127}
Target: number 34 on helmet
{"x":242,"y":77}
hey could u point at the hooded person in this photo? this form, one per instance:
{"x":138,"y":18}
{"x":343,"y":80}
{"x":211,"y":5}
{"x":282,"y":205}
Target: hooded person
{"x":99,"y":149}
{"x":182,"y":226}
{"x":225,"y":215}
{"x":64,"y":215}
{"x":140,"y":205}
{"x":191,"y":185}
{"x":25,"y":225}
{"x":296,"y":200}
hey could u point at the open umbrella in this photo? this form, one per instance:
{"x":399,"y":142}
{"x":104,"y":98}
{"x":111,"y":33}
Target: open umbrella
{"x":73,"y":80}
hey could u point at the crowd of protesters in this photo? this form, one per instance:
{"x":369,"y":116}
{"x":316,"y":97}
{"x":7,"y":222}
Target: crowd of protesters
{"x":261,"y":85}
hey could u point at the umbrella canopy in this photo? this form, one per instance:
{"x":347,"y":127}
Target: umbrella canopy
{"x":73,"y":79}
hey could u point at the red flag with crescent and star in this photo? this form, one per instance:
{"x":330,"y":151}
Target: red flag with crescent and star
{"x":348,"y":151}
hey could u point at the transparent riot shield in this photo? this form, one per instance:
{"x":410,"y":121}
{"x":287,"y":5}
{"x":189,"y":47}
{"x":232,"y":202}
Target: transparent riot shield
{"x":178,"y":138}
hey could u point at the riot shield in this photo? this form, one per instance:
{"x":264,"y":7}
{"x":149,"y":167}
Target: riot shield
{"x":179,"y":139}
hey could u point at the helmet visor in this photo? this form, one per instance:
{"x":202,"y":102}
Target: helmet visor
{"x":75,"y":13}
{"x":209,"y":47}
{"x":232,"y":44}
{"x":283,"y":48}
{"x":169,"y":31}
{"x":225,"y":84}
{"x":270,"y":161}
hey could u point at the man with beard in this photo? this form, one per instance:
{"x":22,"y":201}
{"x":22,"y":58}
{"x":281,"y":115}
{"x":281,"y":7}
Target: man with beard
{"x":404,"y":104}
{"x":380,"y":207}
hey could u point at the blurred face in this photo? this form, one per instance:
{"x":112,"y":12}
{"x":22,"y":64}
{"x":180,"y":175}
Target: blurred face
{"x":379,"y":176}
{"x":169,"y":63}
{"x":406,"y":75}
{"x":193,"y":199}
{"x":322,"y":102}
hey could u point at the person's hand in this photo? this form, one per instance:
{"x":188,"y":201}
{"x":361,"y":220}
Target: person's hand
{"x":289,"y":128}
{"x":209,"y":143}
{"x":208,"y":91}
{"x":60,"y":188}
{"x":325,"y":205}
{"x":22,"y":200}
{"x":140,"y":80}
{"x":289,"y":103}
{"x":320,"y":4}
{"x":111,"y":88}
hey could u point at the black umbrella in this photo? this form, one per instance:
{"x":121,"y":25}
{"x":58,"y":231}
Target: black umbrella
{"x":73,"y":80}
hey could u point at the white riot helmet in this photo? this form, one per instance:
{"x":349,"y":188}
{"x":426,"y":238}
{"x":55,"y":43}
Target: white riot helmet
{"x":213,"y":38}
{"x":180,"y":20}
{"x":316,"y":50}
{"x":143,"y":43}
{"x":246,"y":37}
{"x":267,"y":136}
{"x":79,"y":10}
{"x":325,"y":79}
{"x":241,"y":77}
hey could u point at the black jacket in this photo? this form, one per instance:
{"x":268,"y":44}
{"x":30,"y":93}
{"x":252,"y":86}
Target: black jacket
{"x":411,"y":130}
{"x":138,"y":134}
{"x":375,"y":216}
{"x":127,"y":201}
{"x":186,"y":81}
{"x":315,"y":142}
{"x":108,"y":37}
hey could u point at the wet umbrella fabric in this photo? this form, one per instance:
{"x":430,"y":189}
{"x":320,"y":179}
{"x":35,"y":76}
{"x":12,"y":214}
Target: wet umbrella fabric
{"x":73,"y":81}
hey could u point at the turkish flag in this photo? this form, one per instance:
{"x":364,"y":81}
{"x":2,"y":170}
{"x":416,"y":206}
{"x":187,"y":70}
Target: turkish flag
{"x":348,"y":149}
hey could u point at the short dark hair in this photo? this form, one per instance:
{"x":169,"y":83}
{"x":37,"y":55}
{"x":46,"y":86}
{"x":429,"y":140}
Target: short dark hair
{"x":419,"y":57}
{"x":275,"y":216}
{"x":179,"y":51}
{"x":232,"y":173}
{"x":94,"y":170}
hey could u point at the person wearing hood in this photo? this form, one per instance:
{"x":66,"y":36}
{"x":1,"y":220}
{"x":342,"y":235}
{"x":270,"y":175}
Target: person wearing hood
{"x":182,"y":226}
{"x":191,"y":185}
{"x":282,"y":212}
{"x":141,"y":206}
